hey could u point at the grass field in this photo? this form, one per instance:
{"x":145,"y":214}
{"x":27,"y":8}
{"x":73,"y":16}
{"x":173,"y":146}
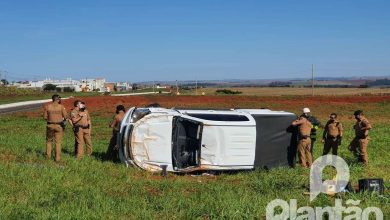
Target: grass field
{"x":12,"y":94}
{"x":32,"y":187}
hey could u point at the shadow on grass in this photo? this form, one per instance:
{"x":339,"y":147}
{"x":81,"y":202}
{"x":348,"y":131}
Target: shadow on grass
{"x":102,"y":156}
{"x":352,"y":161}
{"x":99,"y":156}
{"x":42,"y":152}
{"x":37,"y":152}
{"x":67,"y":151}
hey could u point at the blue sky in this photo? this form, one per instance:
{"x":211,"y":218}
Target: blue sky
{"x":198,"y":39}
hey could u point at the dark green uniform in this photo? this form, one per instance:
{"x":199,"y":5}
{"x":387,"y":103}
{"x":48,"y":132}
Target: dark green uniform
{"x":313,"y":132}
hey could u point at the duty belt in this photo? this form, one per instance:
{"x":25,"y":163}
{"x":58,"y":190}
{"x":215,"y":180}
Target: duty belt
{"x":304,"y":136}
{"x":83,"y":127}
{"x":362,"y":137}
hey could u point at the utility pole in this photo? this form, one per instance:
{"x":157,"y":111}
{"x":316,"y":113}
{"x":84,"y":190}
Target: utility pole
{"x":153,"y":85}
{"x":177,"y":88}
{"x":196,"y":87}
{"x":312,"y":80}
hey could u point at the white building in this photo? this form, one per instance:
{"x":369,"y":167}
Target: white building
{"x":93,"y":84}
{"x":73,"y":84}
{"x":30,"y":85}
{"x":122,"y":86}
{"x":66,"y":83}
{"x":99,"y":84}
{"x":159,"y":86}
{"x":78,"y":86}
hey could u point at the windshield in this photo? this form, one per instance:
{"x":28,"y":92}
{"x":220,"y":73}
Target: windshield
{"x":138,"y":114}
{"x":186,"y":141}
{"x":124,"y":138}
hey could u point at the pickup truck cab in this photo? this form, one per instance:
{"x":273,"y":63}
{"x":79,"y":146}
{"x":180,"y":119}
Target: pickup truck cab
{"x":192,"y":140}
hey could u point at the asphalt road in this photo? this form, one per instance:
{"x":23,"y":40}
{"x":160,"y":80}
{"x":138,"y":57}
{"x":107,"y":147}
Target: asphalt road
{"x":23,"y":108}
{"x":32,"y":105}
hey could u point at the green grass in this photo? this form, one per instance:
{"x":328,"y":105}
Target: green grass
{"x":32,"y":187}
{"x":12,"y":94}
{"x":6,"y":99}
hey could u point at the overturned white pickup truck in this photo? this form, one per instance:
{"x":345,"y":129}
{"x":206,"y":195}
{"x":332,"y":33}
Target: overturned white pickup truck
{"x":193,"y":140}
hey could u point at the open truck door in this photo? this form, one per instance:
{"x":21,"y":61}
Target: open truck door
{"x":186,"y":143}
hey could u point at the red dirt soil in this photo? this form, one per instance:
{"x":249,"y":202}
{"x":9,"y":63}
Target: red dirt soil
{"x":105,"y":105}
{"x":104,"y":102}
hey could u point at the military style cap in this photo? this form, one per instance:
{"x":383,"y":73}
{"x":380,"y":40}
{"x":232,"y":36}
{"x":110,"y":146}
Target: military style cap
{"x":55,"y":97}
{"x":306,"y":110}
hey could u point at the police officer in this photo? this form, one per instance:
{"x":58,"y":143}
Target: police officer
{"x":315,"y":125}
{"x":359,"y":144}
{"x":55,"y":116}
{"x":112,"y":151}
{"x":82,"y":128}
{"x":305,"y":126}
{"x":332,"y":136}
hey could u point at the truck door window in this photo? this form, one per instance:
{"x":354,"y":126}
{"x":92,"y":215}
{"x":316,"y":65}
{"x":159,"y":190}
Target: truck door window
{"x":219,"y":117}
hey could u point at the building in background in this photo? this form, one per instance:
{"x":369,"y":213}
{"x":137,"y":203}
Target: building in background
{"x":64,"y":85}
{"x":29,"y":84}
{"x":109,"y":87}
{"x":122,"y":86}
{"x":83,"y":85}
{"x":159,"y":86}
{"x":99,"y":84}
{"x":96,"y":85}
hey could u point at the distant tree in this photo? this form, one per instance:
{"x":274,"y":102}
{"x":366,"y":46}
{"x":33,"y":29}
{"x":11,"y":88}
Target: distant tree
{"x":379,"y":82}
{"x":68,"y":89}
{"x":279,"y":84}
{"x":227,"y":92}
{"x":134,"y":86}
{"x":4,"y":82}
{"x":49,"y":87}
